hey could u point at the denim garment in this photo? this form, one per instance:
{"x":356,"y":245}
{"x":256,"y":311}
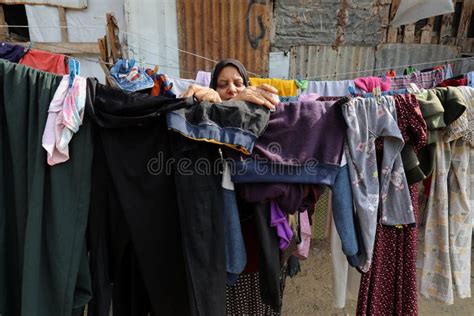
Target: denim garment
{"x":343,"y":212}
{"x":236,"y":124}
{"x":236,"y":256}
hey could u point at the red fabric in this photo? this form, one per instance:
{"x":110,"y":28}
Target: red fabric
{"x":453,"y":83}
{"x":45,"y":61}
{"x":389,"y":287}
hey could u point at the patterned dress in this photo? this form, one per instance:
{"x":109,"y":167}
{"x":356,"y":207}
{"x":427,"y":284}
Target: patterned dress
{"x":389,"y":287}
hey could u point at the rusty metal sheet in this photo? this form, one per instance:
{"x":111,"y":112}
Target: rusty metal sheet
{"x":75,"y":4}
{"x":323,"y":62}
{"x":221,"y":29}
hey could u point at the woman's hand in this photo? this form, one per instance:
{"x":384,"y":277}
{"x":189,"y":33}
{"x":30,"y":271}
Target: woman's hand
{"x":201,"y":93}
{"x":260,"y":95}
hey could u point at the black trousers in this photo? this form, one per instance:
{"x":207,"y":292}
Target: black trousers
{"x":155,"y":230}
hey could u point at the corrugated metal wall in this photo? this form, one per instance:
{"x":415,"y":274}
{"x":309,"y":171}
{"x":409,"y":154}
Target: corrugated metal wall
{"x":237,"y":29}
{"x":321,"y":60}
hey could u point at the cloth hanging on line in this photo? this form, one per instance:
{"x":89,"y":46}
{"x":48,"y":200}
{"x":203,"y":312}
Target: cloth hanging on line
{"x":368,"y":119}
{"x":45,"y":208}
{"x":65,"y":115}
{"x":45,"y":61}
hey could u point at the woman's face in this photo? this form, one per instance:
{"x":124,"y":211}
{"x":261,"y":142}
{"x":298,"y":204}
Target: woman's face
{"x":229,"y":83}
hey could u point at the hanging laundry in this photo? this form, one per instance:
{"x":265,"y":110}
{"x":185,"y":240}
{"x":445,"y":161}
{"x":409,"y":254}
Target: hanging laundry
{"x":286,"y":88}
{"x":303,"y":247}
{"x":11,"y":52}
{"x":235,"y":254}
{"x":453,"y":82}
{"x":368,"y":119}
{"x":424,"y":80}
{"x":368,"y":84}
{"x":345,"y":279}
{"x":161,"y":85}
{"x":45,"y":61}
{"x":389,"y":287}
{"x":411,"y":11}
{"x":297,"y":137}
{"x":236,"y":124}
{"x":279,"y":221}
{"x":448,"y":229}
{"x":181,"y":85}
{"x":343,"y":215}
{"x":186,"y":274}
{"x":330,"y":88}
{"x":42,"y":254}
{"x":126,"y":76}
{"x":65,"y":116}
{"x":203,"y":78}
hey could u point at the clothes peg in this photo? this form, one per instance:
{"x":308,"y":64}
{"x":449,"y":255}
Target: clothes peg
{"x":377,"y":92}
{"x":74,"y":68}
{"x":27,"y":47}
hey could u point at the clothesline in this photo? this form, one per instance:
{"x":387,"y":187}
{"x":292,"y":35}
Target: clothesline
{"x":192,"y":72}
{"x":390,"y":68}
{"x":100,"y":61}
{"x":215,"y":61}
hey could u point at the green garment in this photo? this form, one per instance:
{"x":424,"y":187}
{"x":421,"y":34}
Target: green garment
{"x":43,"y":210}
{"x":440,"y":107}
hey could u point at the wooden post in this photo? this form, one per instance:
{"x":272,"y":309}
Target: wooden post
{"x":445,"y":33}
{"x":392,"y":32}
{"x":109,"y":47}
{"x":426,"y":32}
{"x":63,"y":24}
{"x":464,"y":22}
{"x":3,"y":30}
{"x":409,"y":34}
{"x":113,"y":42}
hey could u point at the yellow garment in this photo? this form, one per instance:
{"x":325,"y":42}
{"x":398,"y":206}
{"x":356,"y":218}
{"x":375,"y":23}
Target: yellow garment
{"x":286,"y":88}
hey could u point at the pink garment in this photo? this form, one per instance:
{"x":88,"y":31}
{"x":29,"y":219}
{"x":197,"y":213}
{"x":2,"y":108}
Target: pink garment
{"x":303,"y":247}
{"x":368,"y":84}
{"x":65,"y":115}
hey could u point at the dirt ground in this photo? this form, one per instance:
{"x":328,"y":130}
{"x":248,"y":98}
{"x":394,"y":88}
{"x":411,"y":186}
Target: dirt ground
{"x":310,"y":292}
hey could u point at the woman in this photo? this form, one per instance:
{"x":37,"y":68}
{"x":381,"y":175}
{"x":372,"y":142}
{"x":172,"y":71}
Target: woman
{"x":229,"y":80}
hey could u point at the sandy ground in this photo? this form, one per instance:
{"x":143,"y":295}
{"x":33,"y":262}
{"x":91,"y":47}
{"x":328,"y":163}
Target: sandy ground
{"x":310,"y":293}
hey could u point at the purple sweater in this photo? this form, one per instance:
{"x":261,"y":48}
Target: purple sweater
{"x":303,"y":143}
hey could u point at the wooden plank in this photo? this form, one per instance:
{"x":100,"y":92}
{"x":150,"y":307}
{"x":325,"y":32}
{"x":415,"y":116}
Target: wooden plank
{"x":392,"y":32}
{"x":464,"y":22}
{"x":426,"y":32}
{"x":78,"y":4}
{"x":446,"y":25}
{"x":409,"y":34}
{"x":113,"y":43}
{"x":3,"y":30}
{"x":65,"y":48}
{"x":62,"y":22}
